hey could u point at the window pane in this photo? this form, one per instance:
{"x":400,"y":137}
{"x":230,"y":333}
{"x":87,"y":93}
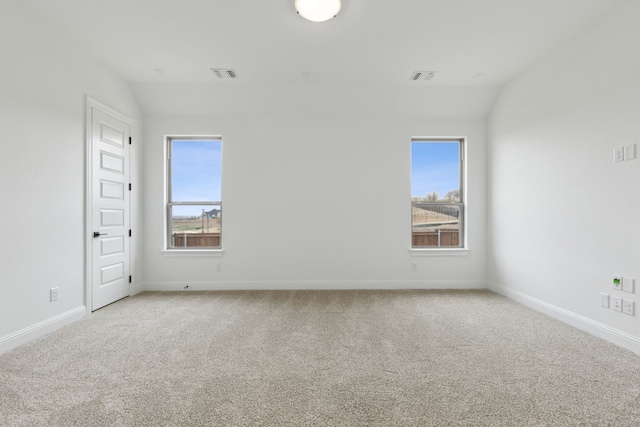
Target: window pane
{"x":195,"y":226}
{"x":435,"y":224}
{"x":436,"y":194}
{"x":195,"y":170}
{"x":435,"y":171}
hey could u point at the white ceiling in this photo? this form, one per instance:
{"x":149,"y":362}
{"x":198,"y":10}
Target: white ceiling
{"x":371,"y":43}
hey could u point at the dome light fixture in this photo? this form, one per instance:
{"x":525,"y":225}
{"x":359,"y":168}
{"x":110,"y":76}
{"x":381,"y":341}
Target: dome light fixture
{"x":318,"y":10}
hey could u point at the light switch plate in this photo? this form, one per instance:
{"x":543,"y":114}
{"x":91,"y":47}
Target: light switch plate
{"x":604,"y":300}
{"x":630,"y":152}
{"x":627,"y":284}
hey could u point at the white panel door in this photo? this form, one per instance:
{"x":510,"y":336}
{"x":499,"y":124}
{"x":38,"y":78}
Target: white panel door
{"x":110,"y":209}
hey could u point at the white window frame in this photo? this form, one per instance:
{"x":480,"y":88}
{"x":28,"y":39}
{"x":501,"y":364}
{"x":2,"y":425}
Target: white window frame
{"x":169,"y":250}
{"x":462,"y":249}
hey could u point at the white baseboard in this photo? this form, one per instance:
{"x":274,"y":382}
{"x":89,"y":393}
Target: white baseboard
{"x":136,"y":288}
{"x":32,"y":332}
{"x":615,"y":336}
{"x":311,"y":284}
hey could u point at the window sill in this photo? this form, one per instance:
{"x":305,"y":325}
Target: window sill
{"x":200,"y":253}
{"x":439,"y":252}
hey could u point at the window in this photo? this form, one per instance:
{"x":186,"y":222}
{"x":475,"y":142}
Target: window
{"x":194,"y":201}
{"x":437,"y":193}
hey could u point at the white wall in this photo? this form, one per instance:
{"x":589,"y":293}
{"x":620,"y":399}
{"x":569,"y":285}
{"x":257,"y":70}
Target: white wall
{"x":562,"y":216}
{"x":43,"y":83}
{"x":313,"y":200}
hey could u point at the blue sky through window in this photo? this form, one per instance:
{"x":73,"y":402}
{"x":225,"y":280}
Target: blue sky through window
{"x":435,"y":166}
{"x":196,"y":171}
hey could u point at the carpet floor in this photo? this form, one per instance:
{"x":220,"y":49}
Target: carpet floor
{"x":319,"y":358}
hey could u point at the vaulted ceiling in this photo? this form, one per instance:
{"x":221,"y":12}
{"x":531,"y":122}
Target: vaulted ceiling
{"x":167,"y":48}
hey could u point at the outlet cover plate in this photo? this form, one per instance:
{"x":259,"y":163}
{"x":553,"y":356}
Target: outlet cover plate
{"x":604,"y":300}
{"x":627,"y":284}
{"x":618,"y":154}
{"x":628,"y":307}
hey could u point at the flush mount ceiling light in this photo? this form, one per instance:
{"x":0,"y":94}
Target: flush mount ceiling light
{"x":318,"y":10}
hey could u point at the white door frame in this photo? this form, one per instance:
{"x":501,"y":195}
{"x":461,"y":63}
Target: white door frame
{"x":90,"y":104}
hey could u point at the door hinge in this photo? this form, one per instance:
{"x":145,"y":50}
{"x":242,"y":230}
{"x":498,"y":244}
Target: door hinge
{"x":129,"y":279}
{"x":129,"y":140}
{"x":129,"y":186}
{"x":129,"y":233}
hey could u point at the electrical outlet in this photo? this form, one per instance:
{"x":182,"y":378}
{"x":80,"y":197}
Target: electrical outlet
{"x":53,"y":294}
{"x":617,"y":282}
{"x":604,"y":300}
{"x":627,"y":284}
{"x":414,"y":267}
{"x":627,"y":307}
{"x":618,"y":154}
{"x":219,"y":268}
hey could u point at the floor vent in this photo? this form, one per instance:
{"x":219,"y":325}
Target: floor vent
{"x":224,"y":73}
{"x":422,"y":75}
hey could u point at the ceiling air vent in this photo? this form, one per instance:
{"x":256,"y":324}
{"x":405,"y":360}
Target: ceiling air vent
{"x":224,"y":74}
{"x":422,"y":75}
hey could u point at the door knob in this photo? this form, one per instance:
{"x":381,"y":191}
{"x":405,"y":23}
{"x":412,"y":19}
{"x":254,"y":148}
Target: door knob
{"x":98,"y":234}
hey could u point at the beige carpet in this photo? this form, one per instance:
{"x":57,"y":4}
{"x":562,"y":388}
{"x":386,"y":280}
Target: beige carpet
{"x":324,"y":358}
